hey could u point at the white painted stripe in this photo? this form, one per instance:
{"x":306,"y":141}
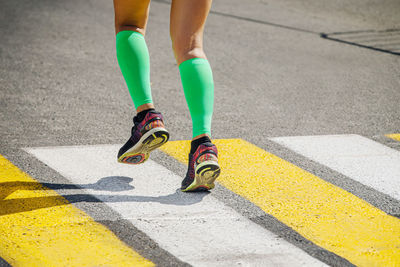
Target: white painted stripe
{"x":196,"y":228}
{"x":357,"y":157}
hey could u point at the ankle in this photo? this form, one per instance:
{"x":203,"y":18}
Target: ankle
{"x":144,"y":107}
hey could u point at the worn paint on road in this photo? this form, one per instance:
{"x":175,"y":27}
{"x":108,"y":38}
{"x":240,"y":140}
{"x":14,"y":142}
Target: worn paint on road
{"x":321,"y":212}
{"x":394,"y":136}
{"x":38,"y":227}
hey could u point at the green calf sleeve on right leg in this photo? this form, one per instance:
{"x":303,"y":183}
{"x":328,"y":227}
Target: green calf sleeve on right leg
{"x":198,"y":85}
{"x":134,"y":61}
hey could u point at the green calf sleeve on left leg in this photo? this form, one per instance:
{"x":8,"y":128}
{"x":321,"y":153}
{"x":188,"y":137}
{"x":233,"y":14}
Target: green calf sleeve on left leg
{"x":198,"y":85}
{"x":134,"y":61}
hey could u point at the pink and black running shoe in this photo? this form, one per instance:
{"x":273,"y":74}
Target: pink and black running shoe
{"x":203,"y":169}
{"x":147,"y":135}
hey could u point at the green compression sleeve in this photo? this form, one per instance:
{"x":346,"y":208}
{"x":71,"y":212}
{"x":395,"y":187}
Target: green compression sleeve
{"x":198,"y":85}
{"x":134,"y":61}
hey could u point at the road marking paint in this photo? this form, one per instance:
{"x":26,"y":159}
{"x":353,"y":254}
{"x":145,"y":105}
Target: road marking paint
{"x":357,"y":157}
{"x":40,"y":228}
{"x":394,"y":136}
{"x":196,"y":228}
{"x":327,"y":215}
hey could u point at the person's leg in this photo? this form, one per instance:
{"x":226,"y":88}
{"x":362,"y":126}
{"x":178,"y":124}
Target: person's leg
{"x":188,"y":18}
{"x":132,"y":53}
{"x":148,"y":131}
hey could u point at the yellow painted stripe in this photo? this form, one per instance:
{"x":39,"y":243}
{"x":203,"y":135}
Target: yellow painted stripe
{"x":394,"y":136}
{"x":38,"y":227}
{"x":321,"y":212}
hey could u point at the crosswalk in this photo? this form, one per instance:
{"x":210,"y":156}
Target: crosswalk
{"x":199,"y":229}
{"x":357,"y":157}
{"x":161,"y":211}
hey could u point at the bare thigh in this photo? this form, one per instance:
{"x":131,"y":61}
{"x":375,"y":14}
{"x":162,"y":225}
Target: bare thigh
{"x":187,"y":22}
{"x":131,"y":15}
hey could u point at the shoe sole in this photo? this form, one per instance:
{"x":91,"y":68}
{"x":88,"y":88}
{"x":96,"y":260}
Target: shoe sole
{"x":140,"y":152}
{"x":205,"y":175}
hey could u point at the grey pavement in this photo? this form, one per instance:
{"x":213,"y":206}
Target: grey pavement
{"x":275,"y":76}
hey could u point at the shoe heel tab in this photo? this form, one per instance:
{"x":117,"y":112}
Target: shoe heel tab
{"x":154,"y":115}
{"x":210,"y":147}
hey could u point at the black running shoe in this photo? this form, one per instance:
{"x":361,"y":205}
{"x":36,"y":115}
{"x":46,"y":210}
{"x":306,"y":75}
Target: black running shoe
{"x":203,"y":169}
{"x":147,"y":135}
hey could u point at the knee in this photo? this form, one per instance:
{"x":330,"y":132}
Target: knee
{"x":187,"y":48}
{"x":128,"y":27}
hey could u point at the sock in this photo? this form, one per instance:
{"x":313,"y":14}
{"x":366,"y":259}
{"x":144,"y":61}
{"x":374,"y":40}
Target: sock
{"x":198,"y":86}
{"x":140,"y":116}
{"x":134,"y":61}
{"x":195,"y":143}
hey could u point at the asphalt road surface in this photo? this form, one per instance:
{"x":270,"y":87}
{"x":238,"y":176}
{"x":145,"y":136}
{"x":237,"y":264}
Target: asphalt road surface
{"x":307,"y":94}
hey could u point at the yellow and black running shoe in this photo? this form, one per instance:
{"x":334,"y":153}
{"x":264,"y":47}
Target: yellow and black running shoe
{"x":147,"y":135}
{"x":203,"y":169}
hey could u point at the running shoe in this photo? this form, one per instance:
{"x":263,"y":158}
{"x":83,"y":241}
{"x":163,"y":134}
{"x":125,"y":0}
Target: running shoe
{"x":203,"y":169}
{"x":147,"y":135}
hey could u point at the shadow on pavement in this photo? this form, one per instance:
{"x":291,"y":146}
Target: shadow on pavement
{"x":111,"y":184}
